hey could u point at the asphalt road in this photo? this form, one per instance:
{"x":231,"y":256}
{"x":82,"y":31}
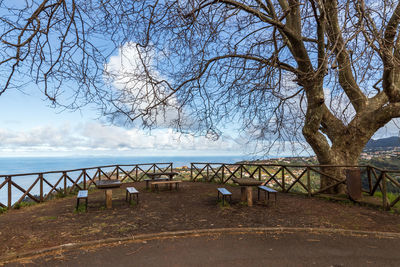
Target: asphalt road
{"x":262,"y":249}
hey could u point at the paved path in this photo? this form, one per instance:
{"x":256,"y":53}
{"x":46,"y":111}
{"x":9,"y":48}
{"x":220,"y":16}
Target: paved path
{"x":229,"y":249}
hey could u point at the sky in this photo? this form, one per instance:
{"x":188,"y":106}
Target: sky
{"x":30,"y":127}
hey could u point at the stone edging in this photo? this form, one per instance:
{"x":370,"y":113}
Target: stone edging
{"x":187,"y":233}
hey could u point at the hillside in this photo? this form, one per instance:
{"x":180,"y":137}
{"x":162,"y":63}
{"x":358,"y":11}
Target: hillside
{"x":393,"y":141}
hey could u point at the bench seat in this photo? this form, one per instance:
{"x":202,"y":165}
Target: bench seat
{"x":267,"y":190}
{"x":224,"y":192}
{"x":132,"y":191}
{"x":170,"y":183}
{"x":155,"y":180}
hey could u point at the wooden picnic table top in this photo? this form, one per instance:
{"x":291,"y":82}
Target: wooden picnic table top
{"x":108,"y":184}
{"x":247,"y":181}
{"x":157,"y":174}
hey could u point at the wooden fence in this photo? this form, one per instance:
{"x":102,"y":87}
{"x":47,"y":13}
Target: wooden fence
{"x":303,"y":178}
{"x":64,"y":182}
{"x":16,"y":188}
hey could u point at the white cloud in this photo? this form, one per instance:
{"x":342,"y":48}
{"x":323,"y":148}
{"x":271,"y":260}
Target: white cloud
{"x":95,"y":138}
{"x":137,"y":95}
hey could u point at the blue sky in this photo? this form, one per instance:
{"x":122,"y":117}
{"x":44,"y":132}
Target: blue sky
{"x":30,"y":127}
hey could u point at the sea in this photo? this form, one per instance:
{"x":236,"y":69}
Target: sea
{"x":18,"y":165}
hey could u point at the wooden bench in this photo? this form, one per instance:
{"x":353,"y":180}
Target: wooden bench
{"x":82,"y":194}
{"x":224,"y":192}
{"x":132,"y":191}
{"x":170,"y":183}
{"x":267,"y":190}
{"x":154,"y":180}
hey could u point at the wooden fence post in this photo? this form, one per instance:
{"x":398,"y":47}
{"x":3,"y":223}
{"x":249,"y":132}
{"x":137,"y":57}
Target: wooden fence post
{"x":259,"y":173}
{"x":384,"y":195}
{"x":9,"y":200}
{"x":117,"y":172}
{"x":308,"y":182}
{"x":41,"y":186}
{"x":283,"y":178}
{"x":223,"y":173}
{"x":65,"y":183}
{"x":208,"y":178}
{"x":84,"y":179}
{"x":369,"y":178}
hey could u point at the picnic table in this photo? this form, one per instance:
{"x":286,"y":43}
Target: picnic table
{"x":246,"y":188}
{"x":108,"y":186}
{"x":156,"y":176}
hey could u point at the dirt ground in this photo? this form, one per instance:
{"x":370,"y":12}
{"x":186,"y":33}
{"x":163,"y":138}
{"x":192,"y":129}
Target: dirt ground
{"x":193,"y":206}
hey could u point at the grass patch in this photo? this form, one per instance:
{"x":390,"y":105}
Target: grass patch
{"x":391,"y":197}
{"x":23,"y":204}
{"x":226,"y":204}
{"x":81,"y":208}
{"x":3,"y":210}
{"x":60,"y":193}
{"x":133,"y":203}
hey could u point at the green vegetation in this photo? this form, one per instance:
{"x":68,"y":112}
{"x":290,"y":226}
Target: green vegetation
{"x":226,"y":204}
{"x":60,"y":193}
{"x":391,"y":197}
{"x":3,"y":210}
{"x":23,"y":204}
{"x":392,"y":163}
{"x":81,"y":208}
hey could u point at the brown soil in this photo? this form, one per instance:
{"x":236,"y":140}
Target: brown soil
{"x":193,"y":206}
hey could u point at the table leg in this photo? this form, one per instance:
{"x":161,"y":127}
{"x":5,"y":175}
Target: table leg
{"x":243,"y":194}
{"x":108,"y":198}
{"x":249,"y":194}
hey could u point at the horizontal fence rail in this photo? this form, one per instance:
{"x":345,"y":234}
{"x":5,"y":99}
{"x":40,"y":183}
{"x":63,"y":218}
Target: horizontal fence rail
{"x":303,"y":178}
{"x":39,"y":187}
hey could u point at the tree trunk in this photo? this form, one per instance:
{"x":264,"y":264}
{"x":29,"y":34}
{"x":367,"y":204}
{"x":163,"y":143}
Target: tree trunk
{"x":327,"y":180}
{"x":340,"y":156}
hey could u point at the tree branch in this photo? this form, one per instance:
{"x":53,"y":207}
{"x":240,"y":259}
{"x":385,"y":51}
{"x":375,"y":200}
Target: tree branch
{"x":346,"y":78}
{"x":391,"y":58}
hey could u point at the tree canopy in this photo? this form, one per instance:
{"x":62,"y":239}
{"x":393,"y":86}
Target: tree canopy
{"x":327,"y":71}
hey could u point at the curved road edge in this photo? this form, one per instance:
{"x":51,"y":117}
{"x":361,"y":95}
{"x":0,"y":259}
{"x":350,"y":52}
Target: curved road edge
{"x":199,"y":232}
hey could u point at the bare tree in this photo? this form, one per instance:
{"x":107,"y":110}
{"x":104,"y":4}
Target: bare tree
{"x":328,"y":70}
